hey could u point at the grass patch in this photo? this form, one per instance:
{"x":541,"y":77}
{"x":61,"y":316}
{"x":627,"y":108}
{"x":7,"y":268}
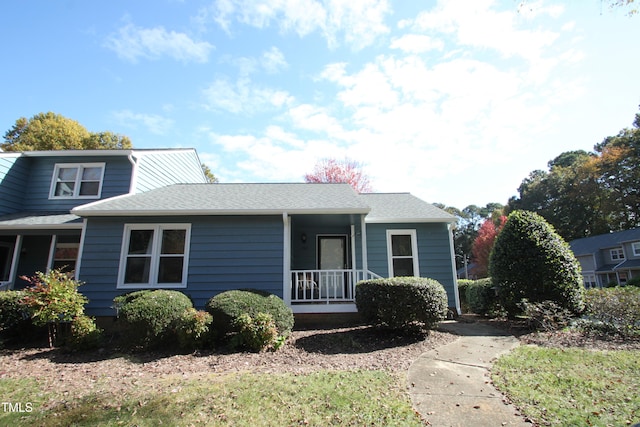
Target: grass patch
{"x":373,"y":398}
{"x":570,"y":387}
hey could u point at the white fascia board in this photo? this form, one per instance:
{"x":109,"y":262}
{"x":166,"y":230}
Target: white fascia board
{"x":206,"y":212}
{"x":77,"y":226}
{"x":407,"y":220}
{"x":76,"y":153}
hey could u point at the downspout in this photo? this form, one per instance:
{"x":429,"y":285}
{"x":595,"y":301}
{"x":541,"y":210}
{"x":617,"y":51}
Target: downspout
{"x":134,"y":173}
{"x":453,"y":269}
{"x":81,"y":248}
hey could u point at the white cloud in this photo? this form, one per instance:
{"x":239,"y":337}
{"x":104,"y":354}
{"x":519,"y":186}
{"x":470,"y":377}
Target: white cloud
{"x":154,"y":123}
{"x":416,"y":43}
{"x":132,"y":43}
{"x":243,"y":96}
{"x":273,"y":60}
{"x":477,"y":24}
{"x":357,"y":22}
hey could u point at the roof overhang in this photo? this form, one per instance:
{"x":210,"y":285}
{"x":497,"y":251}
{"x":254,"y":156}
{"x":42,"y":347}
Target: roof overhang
{"x":38,"y":221}
{"x":217,"y":212}
{"x":408,"y":220}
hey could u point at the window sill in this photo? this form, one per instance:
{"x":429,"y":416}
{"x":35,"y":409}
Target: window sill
{"x":151,"y":286}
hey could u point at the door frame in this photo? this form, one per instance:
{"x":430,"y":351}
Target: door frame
{"x":347,"y":249}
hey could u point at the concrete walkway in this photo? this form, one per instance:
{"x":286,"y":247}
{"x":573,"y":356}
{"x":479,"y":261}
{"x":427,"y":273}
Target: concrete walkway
{"x":451,"y":385}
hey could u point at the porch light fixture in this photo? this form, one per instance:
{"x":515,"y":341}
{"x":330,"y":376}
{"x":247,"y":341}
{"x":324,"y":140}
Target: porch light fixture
{"x":303,"y":237}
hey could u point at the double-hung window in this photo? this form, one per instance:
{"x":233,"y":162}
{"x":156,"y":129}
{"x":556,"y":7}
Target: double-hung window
{"x":154,"y":255}
{"x":617,"y":254}
{"x":636,"y":248}
{"x":77,"y":181}
{"x":402,"y":250}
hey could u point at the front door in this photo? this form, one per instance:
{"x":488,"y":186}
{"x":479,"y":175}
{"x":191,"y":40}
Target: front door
{"x":332,"y":256}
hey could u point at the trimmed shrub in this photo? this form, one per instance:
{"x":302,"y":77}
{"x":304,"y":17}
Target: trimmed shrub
{"x":257,"y":333}
{"x":613,"y":310}
{"x":531,"y":261}
{"x":150,"y":316}
{"x":193,"y":329}
{"x":402,"y":302}
{"x":481,"y":296}
{"x":12,"y":310}
{"x":463,"y":285}
{"x":228,"y":306}
{"x":634,"y":282}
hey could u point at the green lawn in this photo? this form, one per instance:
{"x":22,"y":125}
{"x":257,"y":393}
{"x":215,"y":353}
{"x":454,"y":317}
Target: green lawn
{"x":371,"y":398}
{"x":572,"y":387}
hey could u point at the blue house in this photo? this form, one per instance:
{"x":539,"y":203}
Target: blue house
{"x":608,"y":258}
{"x":308,"y":243}
{"x":38,"y":189}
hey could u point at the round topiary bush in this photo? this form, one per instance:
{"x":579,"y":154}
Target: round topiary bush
{"x":13,"y":311}
{"x":227,"y":307}
{"x":402,"y":302}
{"x":149,"y":316}
{"x":531,"y":261}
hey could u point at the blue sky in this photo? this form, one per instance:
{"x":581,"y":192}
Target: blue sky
{"x":453,"y":101}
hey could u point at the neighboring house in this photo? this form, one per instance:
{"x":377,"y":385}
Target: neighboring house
{"x":608,"y":258}
{"x":307,"y":243}
{"x":39,"y":188}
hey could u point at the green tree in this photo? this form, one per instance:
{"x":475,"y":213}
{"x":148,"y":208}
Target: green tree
{"x":207,"y":173}
{"x":531,"y":261}
{"x":619,"y":175}
{"x":51,"y":131}
{"x":584,"y":194}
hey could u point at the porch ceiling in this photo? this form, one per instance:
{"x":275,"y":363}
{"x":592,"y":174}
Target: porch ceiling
{"x":324,"y":220}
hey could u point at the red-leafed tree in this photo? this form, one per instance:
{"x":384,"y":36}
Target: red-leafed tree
{"x":483,"y":244}
{"x":340,"y":171}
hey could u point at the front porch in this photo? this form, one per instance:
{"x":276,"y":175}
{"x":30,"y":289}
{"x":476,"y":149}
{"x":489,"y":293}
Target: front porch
{"x":326,"y":258}
{"x":325,"y":287}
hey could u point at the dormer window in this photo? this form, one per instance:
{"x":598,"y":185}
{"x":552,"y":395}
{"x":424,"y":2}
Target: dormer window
{"x":77,"y":181}
{"x":617,"y":254}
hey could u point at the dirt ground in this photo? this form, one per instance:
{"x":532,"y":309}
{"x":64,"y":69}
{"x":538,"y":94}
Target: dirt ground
{"x":348,"y":348}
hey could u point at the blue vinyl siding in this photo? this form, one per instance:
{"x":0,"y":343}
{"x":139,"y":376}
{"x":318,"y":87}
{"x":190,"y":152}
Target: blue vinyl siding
{"x":13,"y":174}
{"x":163,"y":168}
{"x":116,"y":181}
{"x":225,"y":253}
{"x":434,"y":252}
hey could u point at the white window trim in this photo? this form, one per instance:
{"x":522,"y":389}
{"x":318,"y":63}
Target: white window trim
{"x":619,"y":254}
{"x":414,"y":250}
{"x":635,"y":246}
{"x":155,"y":256}
{"x":76,"y":189}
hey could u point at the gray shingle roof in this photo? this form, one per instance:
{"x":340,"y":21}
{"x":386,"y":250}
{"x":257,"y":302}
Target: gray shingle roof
{"x":262,"y":199}
{"x":232,"y":199}
{"x":402,"y":207}
{"x":591,"y":245}
{"x":40,"y":220}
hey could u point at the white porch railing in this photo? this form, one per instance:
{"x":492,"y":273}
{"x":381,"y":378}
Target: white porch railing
{"x":326,"y":286}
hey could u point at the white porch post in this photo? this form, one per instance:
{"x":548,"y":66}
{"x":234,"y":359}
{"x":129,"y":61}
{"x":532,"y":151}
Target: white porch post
{"x":286,"y":262}
{"x":363,"y":234}
{"x":52,"y":252}
{"x":17,"y":249}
